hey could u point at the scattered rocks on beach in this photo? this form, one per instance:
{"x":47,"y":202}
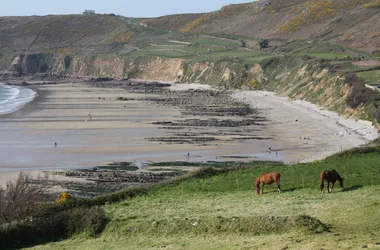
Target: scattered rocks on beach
{"x":104,"y":181}
{"x":209,"y":114}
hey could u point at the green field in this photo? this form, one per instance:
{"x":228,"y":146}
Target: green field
{"x":371,"y":77}
{"x":328,"y":56}
{"x":222,"y":211}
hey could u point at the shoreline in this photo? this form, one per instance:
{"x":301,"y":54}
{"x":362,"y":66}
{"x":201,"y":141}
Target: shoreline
{"x":20,"y":105}
{"x":323,"y":132}
{"x":60,"y":113}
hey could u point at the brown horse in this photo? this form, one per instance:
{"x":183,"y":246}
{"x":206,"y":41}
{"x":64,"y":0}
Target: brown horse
{"x":267,"y":179}
{"x":331,"y":177}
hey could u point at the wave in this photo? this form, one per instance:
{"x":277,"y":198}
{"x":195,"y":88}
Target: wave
{"x":13,"y":98}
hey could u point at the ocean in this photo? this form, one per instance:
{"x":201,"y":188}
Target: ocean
{"x":12,"y":98}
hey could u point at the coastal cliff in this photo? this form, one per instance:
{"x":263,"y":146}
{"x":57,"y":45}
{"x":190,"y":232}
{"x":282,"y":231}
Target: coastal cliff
{"x":296,"y":77}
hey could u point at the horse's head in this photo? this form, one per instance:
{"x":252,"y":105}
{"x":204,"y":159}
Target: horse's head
{"x":257,"y":189}
{"x":341,"y":182}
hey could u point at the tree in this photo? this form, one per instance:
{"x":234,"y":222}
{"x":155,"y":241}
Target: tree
{"x":264,"y":43}
{"x":20,"y":196}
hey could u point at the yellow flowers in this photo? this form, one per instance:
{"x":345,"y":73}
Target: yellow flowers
{"x":190,"y":26}
{"x":373,"y":4}
{"x":318,"y":10}
{"x":63,"y":197}
{"x":313,"y":12}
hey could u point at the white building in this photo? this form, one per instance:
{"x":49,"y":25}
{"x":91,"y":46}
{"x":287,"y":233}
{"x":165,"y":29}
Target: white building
{"x":88,"y":12}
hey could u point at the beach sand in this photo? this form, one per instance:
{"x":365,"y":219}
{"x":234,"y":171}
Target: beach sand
{"x":309,"y":132}
{"x":92,"y":128}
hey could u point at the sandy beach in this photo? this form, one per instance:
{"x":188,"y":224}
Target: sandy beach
{"x":91,"y":127}
{"x":309,"y":132}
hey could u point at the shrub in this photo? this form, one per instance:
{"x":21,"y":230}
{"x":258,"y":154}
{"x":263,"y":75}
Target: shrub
{"x":324,"y":64}
{"x":63,"y":197}
{"x":20,"y":197}
{"x":264,"y":43}
{"x":359,"y":93}
{"x":42,"y":227}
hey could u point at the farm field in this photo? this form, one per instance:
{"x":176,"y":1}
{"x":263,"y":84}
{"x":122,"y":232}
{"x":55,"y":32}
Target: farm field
{"x":220,"y":210}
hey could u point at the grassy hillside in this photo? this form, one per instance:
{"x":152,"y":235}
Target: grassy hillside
{"x":352,"y":23}
{"x":75,"y":34}
{"x":219,"y":210}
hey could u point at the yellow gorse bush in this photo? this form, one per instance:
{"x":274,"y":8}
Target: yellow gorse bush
{"x":63,"y":197}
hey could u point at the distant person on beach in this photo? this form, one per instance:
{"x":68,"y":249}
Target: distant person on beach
{"x":55,"y":144}
{"x":89,"y":115}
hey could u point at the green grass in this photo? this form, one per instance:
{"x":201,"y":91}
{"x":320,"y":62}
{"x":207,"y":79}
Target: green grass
{"x":329,"y":56}
{"x":215,"y":42}
{"x":370,"y":77}
{"x":222,"y":211}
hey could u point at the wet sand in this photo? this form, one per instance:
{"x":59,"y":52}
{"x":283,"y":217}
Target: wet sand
{"x":114,"y":131}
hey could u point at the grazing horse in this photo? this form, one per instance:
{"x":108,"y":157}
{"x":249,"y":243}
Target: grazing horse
{"x":267,"y":179}
{"x":331,"y":177}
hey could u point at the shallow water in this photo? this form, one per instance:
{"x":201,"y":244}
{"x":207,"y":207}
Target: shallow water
{"x":12,"y":98}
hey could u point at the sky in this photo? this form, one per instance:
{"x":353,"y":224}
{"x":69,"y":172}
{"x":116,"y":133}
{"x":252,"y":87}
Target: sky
{"x":137,"y":8}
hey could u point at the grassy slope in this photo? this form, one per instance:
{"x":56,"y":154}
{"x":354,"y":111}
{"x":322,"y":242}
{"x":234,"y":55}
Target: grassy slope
{"x":371,"y":77}
{"x":165,"y":217}
{"x":351,"y":23}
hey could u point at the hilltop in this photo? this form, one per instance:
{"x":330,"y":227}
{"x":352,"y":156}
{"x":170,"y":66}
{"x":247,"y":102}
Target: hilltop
{"x":352,"y":23}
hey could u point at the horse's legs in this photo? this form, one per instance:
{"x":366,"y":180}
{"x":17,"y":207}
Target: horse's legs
{"x":332,"y":186}
{"x":278,"y":186}
{"x":328,"y":186}
{"x":262,"y":188}
{"x":322,"y":186}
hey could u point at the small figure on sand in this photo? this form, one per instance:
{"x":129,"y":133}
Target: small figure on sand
{"x":188,"y":154}
{"x":89,"y":115}
{"x":270,"y":150}
{"x":55,"y":144}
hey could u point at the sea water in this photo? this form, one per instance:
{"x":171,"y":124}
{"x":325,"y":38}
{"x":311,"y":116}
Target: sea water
{"x":12,"y":98}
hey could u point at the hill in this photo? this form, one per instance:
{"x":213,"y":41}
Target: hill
{"x":74,"y":33}
{"x":351,"y":23}
{"x":312,"y":69}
